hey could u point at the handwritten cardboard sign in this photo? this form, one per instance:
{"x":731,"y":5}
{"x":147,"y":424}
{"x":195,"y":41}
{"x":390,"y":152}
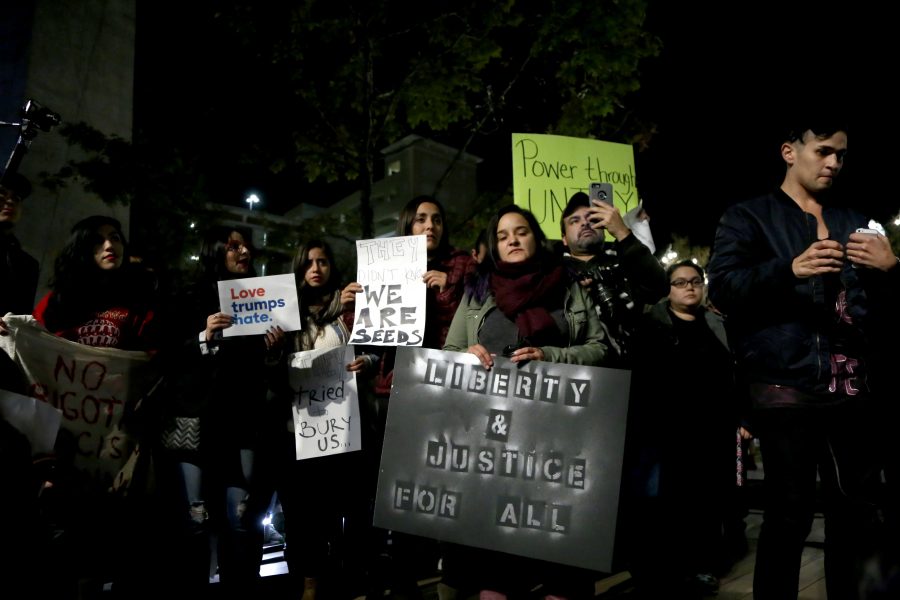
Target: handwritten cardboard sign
{"x":326,"y":402}
{"x":258,"y":303}
{"x":93,"y":388}
{"x":549,"y":169}
{"x":391,"y":309}
{"x":523,"y":459}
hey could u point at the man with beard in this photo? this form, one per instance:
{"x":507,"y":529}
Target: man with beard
{"x":623,"y":278}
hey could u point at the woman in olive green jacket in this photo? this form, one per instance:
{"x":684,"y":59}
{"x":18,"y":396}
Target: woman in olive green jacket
{"x":523,"y":305}
{"x":541,"y":314}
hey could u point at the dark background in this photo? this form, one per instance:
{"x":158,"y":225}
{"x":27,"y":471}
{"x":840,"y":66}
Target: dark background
{"x":727,"y":79}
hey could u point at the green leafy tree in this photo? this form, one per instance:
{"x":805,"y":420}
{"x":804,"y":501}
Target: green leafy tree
{"x":164,"y":190}
{"x":334,"y":82}
{"x":365,"y":73}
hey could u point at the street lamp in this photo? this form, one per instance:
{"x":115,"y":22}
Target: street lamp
{"x":251,"y":200}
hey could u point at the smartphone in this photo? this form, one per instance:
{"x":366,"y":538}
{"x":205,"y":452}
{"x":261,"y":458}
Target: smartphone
{"x":601,"y":192}
{"x":868,"y":231}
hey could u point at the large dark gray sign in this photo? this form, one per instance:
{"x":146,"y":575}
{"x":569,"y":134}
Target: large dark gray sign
{"x":521,"y":459}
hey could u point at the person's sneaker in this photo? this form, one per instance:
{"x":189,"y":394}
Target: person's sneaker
{"x":704,"y":584}
{"x":271,"y":535}
{"x":198,"y":513}
{"x":242,"y":508}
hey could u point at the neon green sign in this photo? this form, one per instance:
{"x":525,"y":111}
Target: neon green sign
{"x":548,"y":169}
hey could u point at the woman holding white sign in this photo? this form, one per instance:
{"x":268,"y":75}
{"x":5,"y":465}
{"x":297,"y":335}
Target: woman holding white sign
{"x":447,"y":266}
{"x":520,"y":305}
{"x":445,"y":282}
{"x":216,"y":396}
{"x":444,"y":279}
{"x":98,"y":297}
{"x":311,"y":525}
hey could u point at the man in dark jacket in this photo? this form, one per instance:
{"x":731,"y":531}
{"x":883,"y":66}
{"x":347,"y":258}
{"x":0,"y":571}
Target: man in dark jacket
{"x":798,"y":285}
{"x":623,"y":278}
{"x":18,"y":269}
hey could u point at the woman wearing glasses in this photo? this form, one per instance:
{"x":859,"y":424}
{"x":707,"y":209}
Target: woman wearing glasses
{"x":216,"y":393}
{"x":687,"y":411}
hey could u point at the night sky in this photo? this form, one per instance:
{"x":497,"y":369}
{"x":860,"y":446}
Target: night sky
{"x":727,"y":76}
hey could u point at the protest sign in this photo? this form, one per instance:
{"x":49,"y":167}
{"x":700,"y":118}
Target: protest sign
{"x":548,"y":169}
{"x":521,"y":459}
{"x":258,"y":303}
{"x":94,"y":388}
{"x":391,"y":309}
{"x":326,"y":402}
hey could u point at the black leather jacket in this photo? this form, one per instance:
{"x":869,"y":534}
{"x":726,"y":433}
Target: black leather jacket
{"x":778,"y":324}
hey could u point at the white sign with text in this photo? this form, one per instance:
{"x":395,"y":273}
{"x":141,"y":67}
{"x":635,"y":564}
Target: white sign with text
{"x":390,"y":311}
{"x":326,"y":402}
{"x":258,"y":303}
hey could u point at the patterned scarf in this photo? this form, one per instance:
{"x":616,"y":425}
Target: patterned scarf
{"x":526,"y":293}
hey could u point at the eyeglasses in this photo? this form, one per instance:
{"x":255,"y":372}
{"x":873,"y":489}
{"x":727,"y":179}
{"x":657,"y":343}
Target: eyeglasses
{"x":683,"y":283}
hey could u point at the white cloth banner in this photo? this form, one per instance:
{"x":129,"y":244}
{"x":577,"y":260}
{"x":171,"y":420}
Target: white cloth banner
{"x":93,"y":388}
{"x":36,"y":420}
{"x":390,"y":311}
{"x":326,"y":402}
{"x":258,"y":303}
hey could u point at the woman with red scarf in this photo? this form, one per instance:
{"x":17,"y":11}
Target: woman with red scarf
{"x":521,"y":305}
{"x":540,"y":315}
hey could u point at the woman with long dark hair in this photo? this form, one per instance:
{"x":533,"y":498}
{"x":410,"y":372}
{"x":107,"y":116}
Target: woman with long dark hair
{"x":97,"y":296}
{"x":540,"y":314}
{"x":447,"y":266}
{"x":216,"y":392}
{"x":312,"y":527}
{"x":520,"y":304}
{"x":444,"y":280}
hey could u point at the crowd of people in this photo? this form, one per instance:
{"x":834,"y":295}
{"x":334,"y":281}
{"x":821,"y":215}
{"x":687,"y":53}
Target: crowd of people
{"x":794,"y":348}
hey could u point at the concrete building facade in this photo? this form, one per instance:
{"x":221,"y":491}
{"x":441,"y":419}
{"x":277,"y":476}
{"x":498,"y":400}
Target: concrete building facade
{"x":413,"y":166}
{"x":77,"y":58}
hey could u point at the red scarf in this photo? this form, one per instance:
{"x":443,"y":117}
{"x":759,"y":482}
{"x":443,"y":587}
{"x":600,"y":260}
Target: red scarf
{"x":526,"y":293}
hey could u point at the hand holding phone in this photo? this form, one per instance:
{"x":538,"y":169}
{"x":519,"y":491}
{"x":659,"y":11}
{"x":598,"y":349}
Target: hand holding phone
{"x":604,"y":214}
{"x":872,"y":250}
